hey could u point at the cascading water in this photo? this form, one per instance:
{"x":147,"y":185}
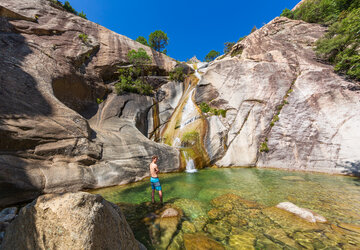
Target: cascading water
{"x":186,"y":128}
{"x":190,"y":165}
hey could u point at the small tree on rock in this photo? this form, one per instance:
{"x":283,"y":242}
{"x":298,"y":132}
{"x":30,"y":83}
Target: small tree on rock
{"x":158,"y":40}
{"x":211,"y":55}
{"x":228,"y":46}
{"x":139,"y":59}
{"x":142,"y":40}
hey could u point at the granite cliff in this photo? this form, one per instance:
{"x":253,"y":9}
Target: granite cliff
{"x":50,"y":79}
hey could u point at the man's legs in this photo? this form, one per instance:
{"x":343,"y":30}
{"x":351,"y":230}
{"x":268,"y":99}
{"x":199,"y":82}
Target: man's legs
{"x":152,"y":196}
{"x":161,"y":196}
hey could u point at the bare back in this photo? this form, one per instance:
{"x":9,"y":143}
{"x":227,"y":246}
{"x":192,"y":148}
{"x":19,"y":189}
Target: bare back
{"x":153,"y":170}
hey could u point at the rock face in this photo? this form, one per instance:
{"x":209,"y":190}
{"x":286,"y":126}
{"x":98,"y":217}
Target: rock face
{"x":53,"y":67}
{"x":284,"y":108}
{"x":70,"y":221}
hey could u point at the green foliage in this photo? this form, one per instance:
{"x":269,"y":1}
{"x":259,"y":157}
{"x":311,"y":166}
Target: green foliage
{"x":82,"y":14}
{"x":69,"y":8}
{"x":190,"y":137}
{"x":237,"y":51}
{"x":253,"y":29}
{"x":158,"y":40}
{"x":241,"y":38}
{"x":228,"y":46}
{"x":264,"y":147}
{"x":142,"y":40}
{"x":341,"y":45}
{"x":211,"y":55}
{"x":287,"y":13}
{"x":139,"y":58}
{"x":205,"y":108}
{"x":131,"y":79}
{"x":177,"y":74}
{"x":99,"y":101}
{"x":83,"y":37}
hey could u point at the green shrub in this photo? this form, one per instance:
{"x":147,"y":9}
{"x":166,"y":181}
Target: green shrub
{"x":142,"y":40}
{"x":83,"y":37}
{"x":276,"y":118}
{"x":287,"y":13}
{"x":205,"y":108}
{"x":190,"y":137}
{"x":130,"y":81}
{"x":158,"y":40}
{"x":99,"y":101}
{"x":69,"y":8}
{"x":264,"y":147}
{"x":211,"y":55}
{"x":82,"y":14}
{"x":340,"y":45}
{"x":177,"y":74}
{"x":236,"y":52}
{"x":228,"y":46}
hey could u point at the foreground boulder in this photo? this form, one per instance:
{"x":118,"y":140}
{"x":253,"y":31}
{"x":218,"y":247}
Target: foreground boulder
{"x":70,"y":221}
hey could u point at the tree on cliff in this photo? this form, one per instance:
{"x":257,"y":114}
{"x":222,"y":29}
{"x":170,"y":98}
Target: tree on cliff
{"x":228,"y":46}
{"x":142,"y":40}
{"x":139,"y":59}
{"x":132,"y":78}
{"x":158,"y":40}
{"x":211,"y":55}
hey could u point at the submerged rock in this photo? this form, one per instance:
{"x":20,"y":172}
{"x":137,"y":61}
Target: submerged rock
{"x":191,"y":208}
{"x":242,"y":241}
{"x":188,"y":227}
{"x":199,"y":241}
{"x":293,"y":178}
{"x":303,"y":213}
{"x":169,"y":212}
{"x":70,"y":221}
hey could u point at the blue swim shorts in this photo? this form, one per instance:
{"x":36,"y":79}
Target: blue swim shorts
{"x":155,"y":183}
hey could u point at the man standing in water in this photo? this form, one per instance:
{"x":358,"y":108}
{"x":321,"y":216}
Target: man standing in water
{"x":155,"y":183}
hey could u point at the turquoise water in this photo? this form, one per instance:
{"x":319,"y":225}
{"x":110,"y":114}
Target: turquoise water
{"x":337,"y":198}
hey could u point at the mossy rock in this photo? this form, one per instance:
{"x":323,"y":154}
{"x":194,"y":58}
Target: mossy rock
{"x":201,"y":242}
{"x":242,"y":241}
{"x":200,"y":223}
{"x":216,"y":213}
{"x":191,"y":208}
{"x":216,"y":231}
{"x":188,"y":227}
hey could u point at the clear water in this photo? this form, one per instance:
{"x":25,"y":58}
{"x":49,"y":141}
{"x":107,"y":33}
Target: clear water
{"x":337,"y":198}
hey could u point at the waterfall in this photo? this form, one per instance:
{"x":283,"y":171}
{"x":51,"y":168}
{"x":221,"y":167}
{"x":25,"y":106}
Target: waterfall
{"x":188,"y":110}
{"x":190,"y":165}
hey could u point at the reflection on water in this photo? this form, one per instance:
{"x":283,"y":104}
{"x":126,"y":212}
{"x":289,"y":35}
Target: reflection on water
{"x":229,"y":219}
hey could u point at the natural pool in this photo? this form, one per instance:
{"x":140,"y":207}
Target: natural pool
{"x":235,"y":209}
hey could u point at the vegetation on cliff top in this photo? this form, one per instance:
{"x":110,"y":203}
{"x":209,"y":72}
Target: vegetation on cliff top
{"x":341,"y":44}
{"x":67,"y":6}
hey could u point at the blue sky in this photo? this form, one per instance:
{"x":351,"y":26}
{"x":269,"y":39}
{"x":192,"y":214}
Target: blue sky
{"x":193,"y":27}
